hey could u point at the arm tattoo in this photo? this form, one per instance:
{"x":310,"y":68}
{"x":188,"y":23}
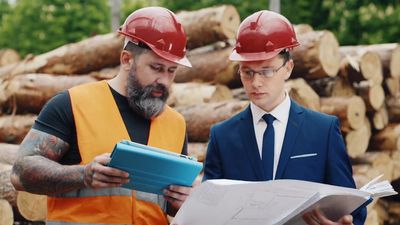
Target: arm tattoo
{"x":37,"y":169}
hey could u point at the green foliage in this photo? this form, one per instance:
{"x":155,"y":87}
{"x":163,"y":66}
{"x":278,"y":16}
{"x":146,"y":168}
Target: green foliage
{"x":41,"y":25}
{"x":128,"y":6}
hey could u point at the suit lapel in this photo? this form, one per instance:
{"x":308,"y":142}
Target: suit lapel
{"x":295,"y":120}
{"x":249,"y":142}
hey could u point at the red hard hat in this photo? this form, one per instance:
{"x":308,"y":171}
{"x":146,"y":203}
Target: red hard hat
{"x":262,"y":36}
{"x":158,"y":28}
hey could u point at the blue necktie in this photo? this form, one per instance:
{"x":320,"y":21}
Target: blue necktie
{"x":268,"y":147}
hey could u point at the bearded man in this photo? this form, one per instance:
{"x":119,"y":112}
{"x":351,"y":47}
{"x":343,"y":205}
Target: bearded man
{"x":65,"y":154}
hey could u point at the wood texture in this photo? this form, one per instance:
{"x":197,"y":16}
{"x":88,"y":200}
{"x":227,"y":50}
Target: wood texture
{"x":208,"y":25}
{"x":14,"y":128}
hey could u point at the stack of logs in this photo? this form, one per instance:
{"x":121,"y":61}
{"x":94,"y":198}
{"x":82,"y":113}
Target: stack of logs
{"x":358,"y":84}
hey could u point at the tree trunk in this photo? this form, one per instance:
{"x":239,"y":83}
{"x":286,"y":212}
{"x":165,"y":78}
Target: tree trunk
{"x":351,"y":111}
{"x":303,"y":94}
{"x":218,"y":70}
{"x":14,"y":128}
{"x":198,"y":150}
{"x":373,"y":95}
{"x":379,"y":161}
{"x":361,"y":65}
{"x":196,"y":93}
{"x":28,"y":93}
{"x":380,"y":118}
{"x":387,"y":139}
{"x":8,"y":56}
{"x":199,"y":118}
{"x":105,"y":74}
{"x":32,"y":207}
{"x":389,"y":55}
{"x":209,"y":25}
{"x":317,"y":56}
{"x":8,"y":153}
{"x":357,"y":140}
{"x":332,"y":87}
{"x":78,"y":58}
{"x":6,"y":212}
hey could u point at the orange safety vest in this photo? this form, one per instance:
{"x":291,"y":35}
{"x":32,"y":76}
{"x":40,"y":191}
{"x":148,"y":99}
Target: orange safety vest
{"x":99,"y":126}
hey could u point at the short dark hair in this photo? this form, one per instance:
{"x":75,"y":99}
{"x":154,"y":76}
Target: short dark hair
{"x":136,"y":49}
{"x":285,"y":55}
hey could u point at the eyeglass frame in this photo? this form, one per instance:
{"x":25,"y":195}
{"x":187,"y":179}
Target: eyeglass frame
{"x":271,"y":72}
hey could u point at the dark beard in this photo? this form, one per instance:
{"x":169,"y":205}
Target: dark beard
{"x":140,"y":98}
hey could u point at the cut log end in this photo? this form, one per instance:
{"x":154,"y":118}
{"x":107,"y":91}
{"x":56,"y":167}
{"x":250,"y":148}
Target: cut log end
{"x":356,"y":112}
{"x":329,"y":53}
{"x":370,"y":65}
{"x":31,"y":206}
{"x":357,"y":140}
{"x":231,"y":20}
{"x":6,"y":212}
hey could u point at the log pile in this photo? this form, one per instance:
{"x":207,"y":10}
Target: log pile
{"x":358,"y":84}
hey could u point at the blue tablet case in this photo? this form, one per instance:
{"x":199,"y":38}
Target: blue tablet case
{"x":153,"y":169}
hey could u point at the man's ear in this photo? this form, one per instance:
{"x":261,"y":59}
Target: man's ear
{"x":289,"y":68}
{"x":126,"y":59}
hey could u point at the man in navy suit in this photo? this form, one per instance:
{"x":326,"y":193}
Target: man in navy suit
{"x":275,"y":138}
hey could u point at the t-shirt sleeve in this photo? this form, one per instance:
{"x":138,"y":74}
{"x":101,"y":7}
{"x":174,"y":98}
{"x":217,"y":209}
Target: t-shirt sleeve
{"x":185,"y":146}
{"x":56,"y":118}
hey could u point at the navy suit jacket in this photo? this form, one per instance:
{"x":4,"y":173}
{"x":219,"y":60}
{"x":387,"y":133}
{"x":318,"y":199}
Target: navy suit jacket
{"x":313,"y":150}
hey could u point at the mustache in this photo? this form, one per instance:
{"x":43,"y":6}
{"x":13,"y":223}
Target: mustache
{"x":159,"y":88}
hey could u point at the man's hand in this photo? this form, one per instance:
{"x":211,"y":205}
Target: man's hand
{"x":176,"y":195}
{"x":98,"y":175}
{"x":316,"y":217}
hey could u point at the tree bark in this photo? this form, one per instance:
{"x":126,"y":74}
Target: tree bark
{"x":393,"y":107}
{"x":357,"y":140}
{"x":198,"y":150}
{"x":332,"y":87}
{"x":361,"y":65}
{"x":7,"y":190}
{"x":199,"y":118}
{"x":391,"y":86}
{"x":32,"y":207}
{"x":317,"y":56}
{"x":28,"y":93}
{"x":373,"y":95}
{"x":219,"y":70}
{"x":8,"y":56}
{"x":387,"y":139}
{"x":6,"y":212}
{"x":196,"y":93}
{"x":14,"y":128}
{"x":8,"y":153}
{"x":303,"y":94}
{"x":351,"y":111}
{"x":208,"y":25}
{"x":78,"y":58}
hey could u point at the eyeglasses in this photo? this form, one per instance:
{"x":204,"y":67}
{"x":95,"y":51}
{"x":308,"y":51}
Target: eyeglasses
{"x":249,"y":74}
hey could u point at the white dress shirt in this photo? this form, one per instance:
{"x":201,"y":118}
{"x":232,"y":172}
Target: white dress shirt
{"x":281,"y":114}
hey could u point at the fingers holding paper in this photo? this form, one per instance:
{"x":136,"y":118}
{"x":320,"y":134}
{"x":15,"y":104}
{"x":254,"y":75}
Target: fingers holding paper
{"x":176,"y":195}
{"x":316,"y":217}
{"x":98,"y":175}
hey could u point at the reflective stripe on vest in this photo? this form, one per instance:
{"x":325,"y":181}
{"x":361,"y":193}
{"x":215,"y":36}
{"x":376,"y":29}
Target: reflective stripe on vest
{"x":99,"y":126}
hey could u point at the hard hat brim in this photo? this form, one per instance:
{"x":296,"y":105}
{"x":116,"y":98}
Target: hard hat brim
{"x":258,"y":56}
{"x":184,"y":61}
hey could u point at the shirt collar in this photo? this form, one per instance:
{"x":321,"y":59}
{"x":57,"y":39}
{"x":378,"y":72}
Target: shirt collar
{"x":280,"y":112}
